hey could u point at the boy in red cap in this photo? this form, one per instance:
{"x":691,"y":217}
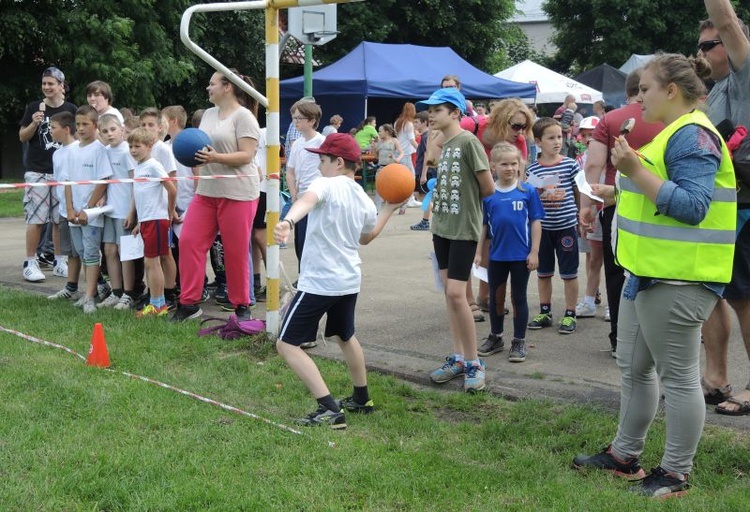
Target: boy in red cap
{"x":340,"y":217}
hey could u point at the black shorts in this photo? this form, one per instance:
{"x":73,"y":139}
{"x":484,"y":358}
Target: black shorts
{"x":739,"y":287}
{"x":564,"y":244}
{"x":259,"y":222}
{"x":300,"y":324}
{"x":455,"y":255}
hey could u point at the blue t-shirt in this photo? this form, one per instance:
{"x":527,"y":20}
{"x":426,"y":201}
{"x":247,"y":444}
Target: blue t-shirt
{"x":508,"y":214}
{"x":558,"y":200}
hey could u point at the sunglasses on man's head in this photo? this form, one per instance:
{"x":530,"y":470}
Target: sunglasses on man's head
{"x":517,"y":127}
{"x":706,"y":46}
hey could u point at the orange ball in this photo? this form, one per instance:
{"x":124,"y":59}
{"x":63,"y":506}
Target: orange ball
{"x":395,"y":183}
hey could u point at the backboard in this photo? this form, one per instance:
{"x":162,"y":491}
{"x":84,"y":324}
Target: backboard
{"x":314,"y":25}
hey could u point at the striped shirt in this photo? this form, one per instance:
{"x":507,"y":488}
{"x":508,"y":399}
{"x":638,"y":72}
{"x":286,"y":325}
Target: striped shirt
{"x":558,"y":200}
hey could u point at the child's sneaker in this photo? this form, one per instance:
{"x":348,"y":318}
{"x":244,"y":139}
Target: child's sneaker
{"x":492,"y":345}
{"x":517,"y":352}
{"x":540,"y":321}
{"x":125,"y":302}
{"x":661,"y":484}
{"x":61,"y":268}
{"x":324,"y":416}
{"x":422,"y":225}
{"x":111,"y":301}
{"x":186,"y":312}
{"x":65,"y":294}
{"x":151,"y":310}
{"x":81,"y":300}
{"x":89,"y":305}
{"x":32,"y":272}
{"x":450,"y":370}
{"x":567,"y":325}
{"x":103,"y":291}
{"x":607,"y":318}
{"x":630,"y":469}
{"x":474,"y":380}
{"x":350,"y":405}
{"x":584,"y":310}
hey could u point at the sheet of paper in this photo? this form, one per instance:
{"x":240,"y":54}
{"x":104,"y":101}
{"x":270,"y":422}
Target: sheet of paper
{"x":131,"y":247}
{"x":539,"y":182}
{"x":585,"y":188}
{"x":93,"y":213}
{"x":480,"y":273}
{"x":439,"y":286}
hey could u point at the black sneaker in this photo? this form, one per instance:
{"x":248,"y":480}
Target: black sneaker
{"x":186,"y":312}
{"x":661,"y":484}
{"x":567,"y":325}
{"x":260,"y":293}
{"x":242,"y":313}
{"x":46,"y":260}
{"x":204,"y":296}
{"x":629,"y":469}
{"x":324,"y":416}
{"x":224,"y":303}
{"x":492,"y":345}
{"x":221,"y":292}
{"x":349,"y":404}
{"x":540,"y":321}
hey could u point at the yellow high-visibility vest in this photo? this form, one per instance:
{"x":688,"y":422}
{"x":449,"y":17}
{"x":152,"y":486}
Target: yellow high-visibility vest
{"x":650,"y":244}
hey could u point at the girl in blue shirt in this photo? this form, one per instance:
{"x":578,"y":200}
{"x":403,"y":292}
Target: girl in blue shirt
{"x":512,"y":222}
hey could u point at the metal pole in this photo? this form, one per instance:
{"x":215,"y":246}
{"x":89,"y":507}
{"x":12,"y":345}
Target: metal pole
{"x":308,"y":70}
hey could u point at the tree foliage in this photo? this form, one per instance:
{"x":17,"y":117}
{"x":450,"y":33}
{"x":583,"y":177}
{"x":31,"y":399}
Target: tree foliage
{"x":134,"y":45}
{"x":609,"y":31}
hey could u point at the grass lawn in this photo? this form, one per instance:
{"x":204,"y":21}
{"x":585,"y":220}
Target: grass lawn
{"x":79,"y":438}
{"x":11,"y":203}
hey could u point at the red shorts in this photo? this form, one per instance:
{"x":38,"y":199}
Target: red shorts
{"x":155,"y":235}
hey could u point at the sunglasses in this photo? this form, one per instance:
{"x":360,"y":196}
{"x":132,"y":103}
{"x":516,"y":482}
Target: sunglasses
{"x":517,"y":127}
{"x":707,"y":46}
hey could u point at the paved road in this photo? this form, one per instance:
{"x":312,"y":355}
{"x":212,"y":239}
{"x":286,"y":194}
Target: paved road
{"x":402,"y":325}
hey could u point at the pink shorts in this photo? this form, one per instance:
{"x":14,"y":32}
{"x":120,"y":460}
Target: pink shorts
{"x":155,"y":235}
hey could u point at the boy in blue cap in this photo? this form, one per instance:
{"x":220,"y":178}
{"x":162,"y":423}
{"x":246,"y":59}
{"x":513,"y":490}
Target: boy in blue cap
{"x":463,"y":179}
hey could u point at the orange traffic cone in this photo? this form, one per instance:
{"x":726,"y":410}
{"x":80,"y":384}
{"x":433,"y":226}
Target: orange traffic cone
{"x":98,"y":354}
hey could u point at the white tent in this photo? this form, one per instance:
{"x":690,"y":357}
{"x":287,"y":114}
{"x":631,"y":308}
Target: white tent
{"x":634,"y":62}
{"x":551,"y":87}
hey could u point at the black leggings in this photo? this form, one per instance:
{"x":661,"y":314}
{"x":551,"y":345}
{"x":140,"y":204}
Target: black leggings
{"x":519,"y":280}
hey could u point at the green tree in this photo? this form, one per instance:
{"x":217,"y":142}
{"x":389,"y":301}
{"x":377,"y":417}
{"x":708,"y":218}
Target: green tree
{"x":591,"y":33}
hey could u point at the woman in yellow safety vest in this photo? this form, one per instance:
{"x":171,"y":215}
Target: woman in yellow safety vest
{"x":676,"y":212}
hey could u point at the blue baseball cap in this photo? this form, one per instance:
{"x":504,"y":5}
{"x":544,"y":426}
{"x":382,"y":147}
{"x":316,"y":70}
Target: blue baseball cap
{"x":447,"y":95}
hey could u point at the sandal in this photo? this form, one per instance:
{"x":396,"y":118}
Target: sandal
{"x":744,"y":409}
{"x":476,"y":312}
{"x":715,"y":396}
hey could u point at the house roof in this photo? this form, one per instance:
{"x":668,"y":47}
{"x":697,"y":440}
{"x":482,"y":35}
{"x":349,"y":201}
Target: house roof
{"x":530,"y":12}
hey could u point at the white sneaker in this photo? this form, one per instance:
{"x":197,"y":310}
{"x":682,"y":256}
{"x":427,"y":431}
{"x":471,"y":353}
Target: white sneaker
{"x":413,"y":203}
{"x":81,"y":301}
{"x":125,"y":302}
{"x":61,"y":269}
{"x":103,"y":291}
{"x":89,"y":306}
{"x":111,"y":301}
{"x":32,"y":272}
{"x":65,"y":294}
{"x":584,"y":310}
{"x":606,"y":315}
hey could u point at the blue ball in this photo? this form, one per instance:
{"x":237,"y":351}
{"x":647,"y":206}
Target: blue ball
{"x":188,"y":142}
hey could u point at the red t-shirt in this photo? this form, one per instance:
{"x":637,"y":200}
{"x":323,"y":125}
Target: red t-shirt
{"x":476,"y":125}
{"x":608,"y":130}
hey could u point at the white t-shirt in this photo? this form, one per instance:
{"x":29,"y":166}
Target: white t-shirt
{"x":225,"y":135}
{"x":405,"y":136}
{"x":120,"y":195}
{"x":60,"y":172}
{"x":185,"y":188}
{"x":89,"y":162}
{"x":330,"y":262}
{"x":304,"y":163}
{"x":151,"y":201}
{"x":163,"y":154}
{"x":261,"y":160}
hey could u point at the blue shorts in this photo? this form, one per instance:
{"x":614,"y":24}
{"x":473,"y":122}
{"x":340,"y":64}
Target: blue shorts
{"x":87,"y":240}
{"x":300,"y":324}
{"x":564,"y":244}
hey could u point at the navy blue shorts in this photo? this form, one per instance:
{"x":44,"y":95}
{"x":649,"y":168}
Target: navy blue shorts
{"x":455,"y":255}
{"x":300,"y":324}
{"x":739,"y":287}
{"x":564,"y":244}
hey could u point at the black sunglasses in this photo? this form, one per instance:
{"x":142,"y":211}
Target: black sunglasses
{"x":517,"y":126}
{"x":707,"y":46}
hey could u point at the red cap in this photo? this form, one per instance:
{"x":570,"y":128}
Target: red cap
{"x":339,"y":145}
